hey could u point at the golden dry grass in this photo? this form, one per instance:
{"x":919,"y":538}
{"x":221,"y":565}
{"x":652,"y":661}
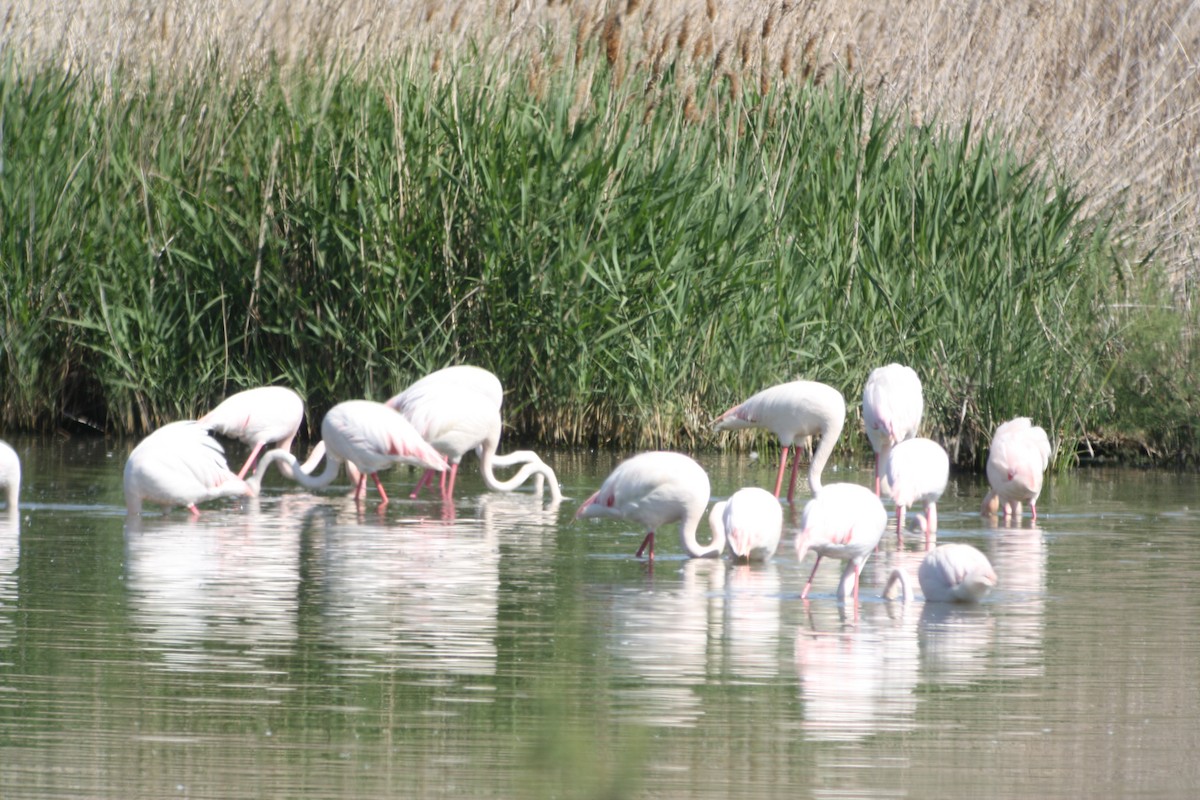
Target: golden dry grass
{"x":1109,"y":91}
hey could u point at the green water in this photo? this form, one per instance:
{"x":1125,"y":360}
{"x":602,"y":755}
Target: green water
{"x":302,"y":646}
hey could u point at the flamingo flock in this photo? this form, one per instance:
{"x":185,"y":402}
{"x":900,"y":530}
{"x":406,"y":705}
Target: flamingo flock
{"x":440,"y":418}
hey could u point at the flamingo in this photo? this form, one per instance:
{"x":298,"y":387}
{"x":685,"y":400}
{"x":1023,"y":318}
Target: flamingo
{"x":258,"y":417}
{"x":458,"y":416}
{"x":364,"y":433}
{"x":656,"y":489}
{"x":1017,"y":459}
{"x":10,"y":474}
{"x":917,"y":471}
{"x":751,"y":520}
{"x":844,"y":521}
{"x":180,"y":464}
{"x":793,"y":411}
{"x":891,"y":407}
{"x":949,"y":573}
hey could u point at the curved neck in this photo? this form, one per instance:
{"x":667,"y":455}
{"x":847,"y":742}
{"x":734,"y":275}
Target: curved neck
{"x":295,"y":470}
{"x":898,"y":586}
{"x":821,"y":455}
{"x":531,"y":465}
{"x":687,"y":535}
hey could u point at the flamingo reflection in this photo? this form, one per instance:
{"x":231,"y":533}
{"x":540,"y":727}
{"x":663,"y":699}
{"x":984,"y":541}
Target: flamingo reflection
{"x":10,"y":557}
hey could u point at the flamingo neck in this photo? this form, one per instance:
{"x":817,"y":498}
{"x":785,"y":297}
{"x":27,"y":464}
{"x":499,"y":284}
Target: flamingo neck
{"x":296,"y":471}
{"x":687,"y":535}
{"x":531,"y":465}
{"x":898,"y":586}
{"x":829,"y":437}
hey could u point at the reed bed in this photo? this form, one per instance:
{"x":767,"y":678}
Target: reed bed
{"x":635,"y":214}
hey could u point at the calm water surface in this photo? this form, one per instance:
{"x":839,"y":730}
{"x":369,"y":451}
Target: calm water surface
{"x":300,"y":646}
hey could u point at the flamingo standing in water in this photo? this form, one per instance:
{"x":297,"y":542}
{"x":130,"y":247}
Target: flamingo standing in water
{"x":457,"y":410}
{"x":917,"y":471}
{"x":656,"y":489}
{"x":752,"y":520}
{"x":844,"y":521}
{"x":180,"y":464}
{"x":10,"y":475}
{"x":258,"y":417}
{"x":793,"y":411}
{"x":951,"y":573}
{"x":364,"y":433}
{"x":892,"y":406}
{"x":1017,"y":461}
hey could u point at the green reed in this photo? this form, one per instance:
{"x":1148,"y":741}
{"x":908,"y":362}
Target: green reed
{"x":631,"y":256}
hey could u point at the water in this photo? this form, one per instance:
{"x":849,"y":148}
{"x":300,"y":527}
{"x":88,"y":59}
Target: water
{"x":303,"y":646}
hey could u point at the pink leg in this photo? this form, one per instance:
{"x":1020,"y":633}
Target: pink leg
{"x":792,"y":482}
{"x":930,"y":522}
{"x":877,"y":489}
{"x":250,"y":461}
{"x":383,"y":498}
{"x":649,"y":540}
{"x":783,"y":457}
{"x":426,"y":479}
{"x":195,"y":511}
{"x":899,"y":522}
{"x":448,"y":489}
{"x":360,"y":488}
{"x":811,"y":575}
{"x":1033,"y":509}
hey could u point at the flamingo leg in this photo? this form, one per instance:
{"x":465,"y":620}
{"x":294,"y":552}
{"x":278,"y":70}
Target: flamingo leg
{"x":448,"y":489}
{"x":649,"y":540}
{"x":360,"y":487}
{"x":250,"y":461}
{"x":383,"y":498}
{"x":783,"y":457}
{"x":795,"y":464}
{"x":1033,"y":510}
{"x":899,"y":521}
{"x":811,"y":575}
{"x":877,"y":494}
{"x":930,"y":522}
{"x":195,"y":511}
{"x":426,"y":479}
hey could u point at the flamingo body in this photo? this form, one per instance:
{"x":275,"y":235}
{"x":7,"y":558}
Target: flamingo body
{"x":179,"y":464}
{"x":752,"y":520}
{"x":955,"y":573}
{"x":1016,"y":466}
{"x":655,"y":489}
{"x":258,"y":417}
{"x":793,"y":412}
{"x":844,"y":521}
{"x":917,"y":471}
{"x":892,"y":407}
{"x":10,"y":474}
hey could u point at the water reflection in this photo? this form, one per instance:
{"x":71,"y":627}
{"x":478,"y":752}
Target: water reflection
{"x":857,"y":679}
{"x":1019,"y":557}
{"x":417,"y":594}
{"x":215,"y":594}
{"x":751,"y":619}
{"x":10,"y":558}
{"x":661,"y":633}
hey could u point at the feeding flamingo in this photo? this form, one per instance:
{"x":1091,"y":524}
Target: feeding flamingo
{"x":180,"y":464}
{"x":456,"y":416}
{"x":752,"y":520}
{"x":364,"y":433}
{"x":1017,"y":461}
{"x":258,"y":417}
{"x":793,"y":411}
{"x":949,"y":573}
{"x":844,"y":521}
{"x":917,"y":471}
{"x":656,"y":489}
{"x":892,"y":406}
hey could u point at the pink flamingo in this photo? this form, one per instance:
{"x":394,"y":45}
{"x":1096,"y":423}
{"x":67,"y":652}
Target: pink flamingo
{"x":458,"y":410}
{"x":179,"y":464}
{"x":892,"y":406}
{"x":751,"y":520}
{"x":656,"y":489}
{"x":949,"y":573}
{"x":793,"y":411}
{"x":1017,"y":461}
{"x":917,"y":471}
{"x":364,"y":433}
{"x":10,"y":475}
{"x":844,"y":521}
{"x":258,"y":417}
